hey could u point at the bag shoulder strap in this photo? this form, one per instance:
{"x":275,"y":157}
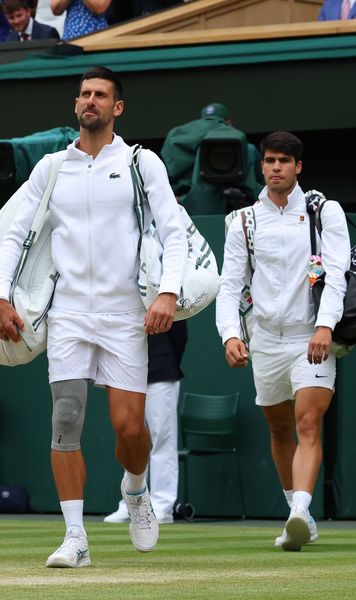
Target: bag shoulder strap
{"x":138,"y":187}
{"x":56,"y":161}
{"x":248,"y":219}
{"x":314,"y":204}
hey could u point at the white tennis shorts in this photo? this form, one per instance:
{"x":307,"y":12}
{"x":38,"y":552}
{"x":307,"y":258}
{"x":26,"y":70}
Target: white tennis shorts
{"x":109,"y":349}
{"x":281,"y":368}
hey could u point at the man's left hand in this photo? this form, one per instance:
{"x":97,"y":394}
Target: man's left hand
{"x":159,"y":316}
{"x":319,"y":345}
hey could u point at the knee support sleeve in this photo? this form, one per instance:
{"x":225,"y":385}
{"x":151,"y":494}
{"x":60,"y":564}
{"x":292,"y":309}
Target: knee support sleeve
{"x":69,"y":404}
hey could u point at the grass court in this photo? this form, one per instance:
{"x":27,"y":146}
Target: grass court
{"x":193,"y":561}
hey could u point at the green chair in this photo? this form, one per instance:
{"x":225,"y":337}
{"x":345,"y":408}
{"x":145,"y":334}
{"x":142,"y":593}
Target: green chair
{"x":208,"y":427}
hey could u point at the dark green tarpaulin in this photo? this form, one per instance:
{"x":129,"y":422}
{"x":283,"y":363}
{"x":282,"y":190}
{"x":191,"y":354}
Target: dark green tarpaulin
{"x":51,"y":65}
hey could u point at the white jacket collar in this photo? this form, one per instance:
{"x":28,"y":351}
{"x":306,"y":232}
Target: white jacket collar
{"x":74,"y":152}
{"x":293,"y":198}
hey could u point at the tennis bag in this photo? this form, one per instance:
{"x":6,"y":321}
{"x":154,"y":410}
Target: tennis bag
{"x":201,"y":280}
{"x":35,"y":278}
{"x":344,"y":332}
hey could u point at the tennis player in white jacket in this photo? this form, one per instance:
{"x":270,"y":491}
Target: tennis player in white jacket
{"x":292,"y":358}
{"x":97,"y":326}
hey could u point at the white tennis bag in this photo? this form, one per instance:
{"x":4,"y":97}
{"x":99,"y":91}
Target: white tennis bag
{"x":35,"y":277}
{"x":201,"y":280}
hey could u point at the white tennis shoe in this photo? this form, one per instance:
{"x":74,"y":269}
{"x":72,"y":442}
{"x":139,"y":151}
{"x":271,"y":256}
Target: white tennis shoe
{"x":312,"y":529}
{"x":74,"y":552}
{"x":120,"y":515}
{"x":297,"y":532}
{"x":143,"y":526}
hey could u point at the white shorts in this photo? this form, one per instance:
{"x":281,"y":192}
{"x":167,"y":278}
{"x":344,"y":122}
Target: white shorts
{"x":109,"y":349}
{"x":281,"y":368}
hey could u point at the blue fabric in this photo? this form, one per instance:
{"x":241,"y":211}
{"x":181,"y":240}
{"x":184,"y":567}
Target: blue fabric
{"x":4,"y":27}
{"x":331,"y":11}
{"x":80,"y":21}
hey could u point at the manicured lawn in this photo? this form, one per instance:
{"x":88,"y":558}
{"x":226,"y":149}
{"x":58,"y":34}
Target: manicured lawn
{"x":192,"y":561}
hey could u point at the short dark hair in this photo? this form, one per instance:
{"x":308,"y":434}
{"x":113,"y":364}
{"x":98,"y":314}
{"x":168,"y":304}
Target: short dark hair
{"x":282,"y":141}
{"x":104,"y":73}
{"x":10,"y":6}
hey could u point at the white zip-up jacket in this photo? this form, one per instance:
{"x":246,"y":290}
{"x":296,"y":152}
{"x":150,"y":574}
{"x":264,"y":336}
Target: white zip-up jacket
{"x":95,"y":233}
{"x":282,"y":302}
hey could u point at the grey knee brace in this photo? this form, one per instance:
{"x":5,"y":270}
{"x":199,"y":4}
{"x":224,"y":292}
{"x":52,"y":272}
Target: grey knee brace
{"x":69,"y":404}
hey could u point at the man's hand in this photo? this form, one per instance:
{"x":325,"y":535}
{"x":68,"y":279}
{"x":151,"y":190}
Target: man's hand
{"x":159,"y":316}
{"x":10,"y":322}
{"x":319,"y":345}
{"x":236,"y":353}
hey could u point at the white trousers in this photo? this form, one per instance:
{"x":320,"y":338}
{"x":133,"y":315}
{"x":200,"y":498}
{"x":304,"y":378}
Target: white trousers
{"x":161,"y":418}
{"x":162,"y":421}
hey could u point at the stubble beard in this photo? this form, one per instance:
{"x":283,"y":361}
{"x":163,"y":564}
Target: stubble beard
{"x":90,"y":123}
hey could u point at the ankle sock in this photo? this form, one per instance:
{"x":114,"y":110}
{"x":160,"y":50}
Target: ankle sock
{"x":73,"y":513}
{"x":301,"y":502}
{"x":135,"y":484}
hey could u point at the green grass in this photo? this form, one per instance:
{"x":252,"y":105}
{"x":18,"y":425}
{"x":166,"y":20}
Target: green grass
{"x":192,"y":562}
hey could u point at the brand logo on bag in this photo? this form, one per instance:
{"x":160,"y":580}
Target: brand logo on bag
{"x":250,"y":226}
{"x":185,"y":304}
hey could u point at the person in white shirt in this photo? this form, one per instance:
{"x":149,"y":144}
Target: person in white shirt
{"x":97,"y":325}
{"x":292,"y":356}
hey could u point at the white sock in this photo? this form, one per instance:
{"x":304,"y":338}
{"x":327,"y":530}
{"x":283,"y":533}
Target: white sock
{"x":73,"y":513}
{"x":288,"y":496}
{"x":135,"y":484}
{"x":301,"y":502}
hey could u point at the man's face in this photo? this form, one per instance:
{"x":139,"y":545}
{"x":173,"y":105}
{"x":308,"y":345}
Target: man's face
{"x":18,"y":20}
{"x":280,"y":171}
{"x":96,"y":106}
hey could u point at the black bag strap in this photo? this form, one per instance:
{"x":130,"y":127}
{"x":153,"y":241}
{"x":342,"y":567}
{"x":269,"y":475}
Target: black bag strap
{"x":314,"y":204}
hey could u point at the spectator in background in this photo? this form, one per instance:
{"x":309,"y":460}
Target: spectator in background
{"x":45,"y":15}
{"x":4,"y":26}
{"x":24,"y":27}
{"x":83,"y":16}
{"x":333,"y":10}
{"x":165,"y":352}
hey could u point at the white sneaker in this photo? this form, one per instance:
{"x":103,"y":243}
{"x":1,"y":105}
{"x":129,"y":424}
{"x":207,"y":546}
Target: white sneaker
{"x":74,"y":552}
{"x":297,"y":530}
{"x":312,"y":529}
{"x":119,"y":516}
{"x":143,"y":526}
{"x":164,"y":518}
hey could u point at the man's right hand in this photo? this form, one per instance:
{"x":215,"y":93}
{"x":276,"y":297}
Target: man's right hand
{"x":10,"y":322}
{"x":236,"y":353}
